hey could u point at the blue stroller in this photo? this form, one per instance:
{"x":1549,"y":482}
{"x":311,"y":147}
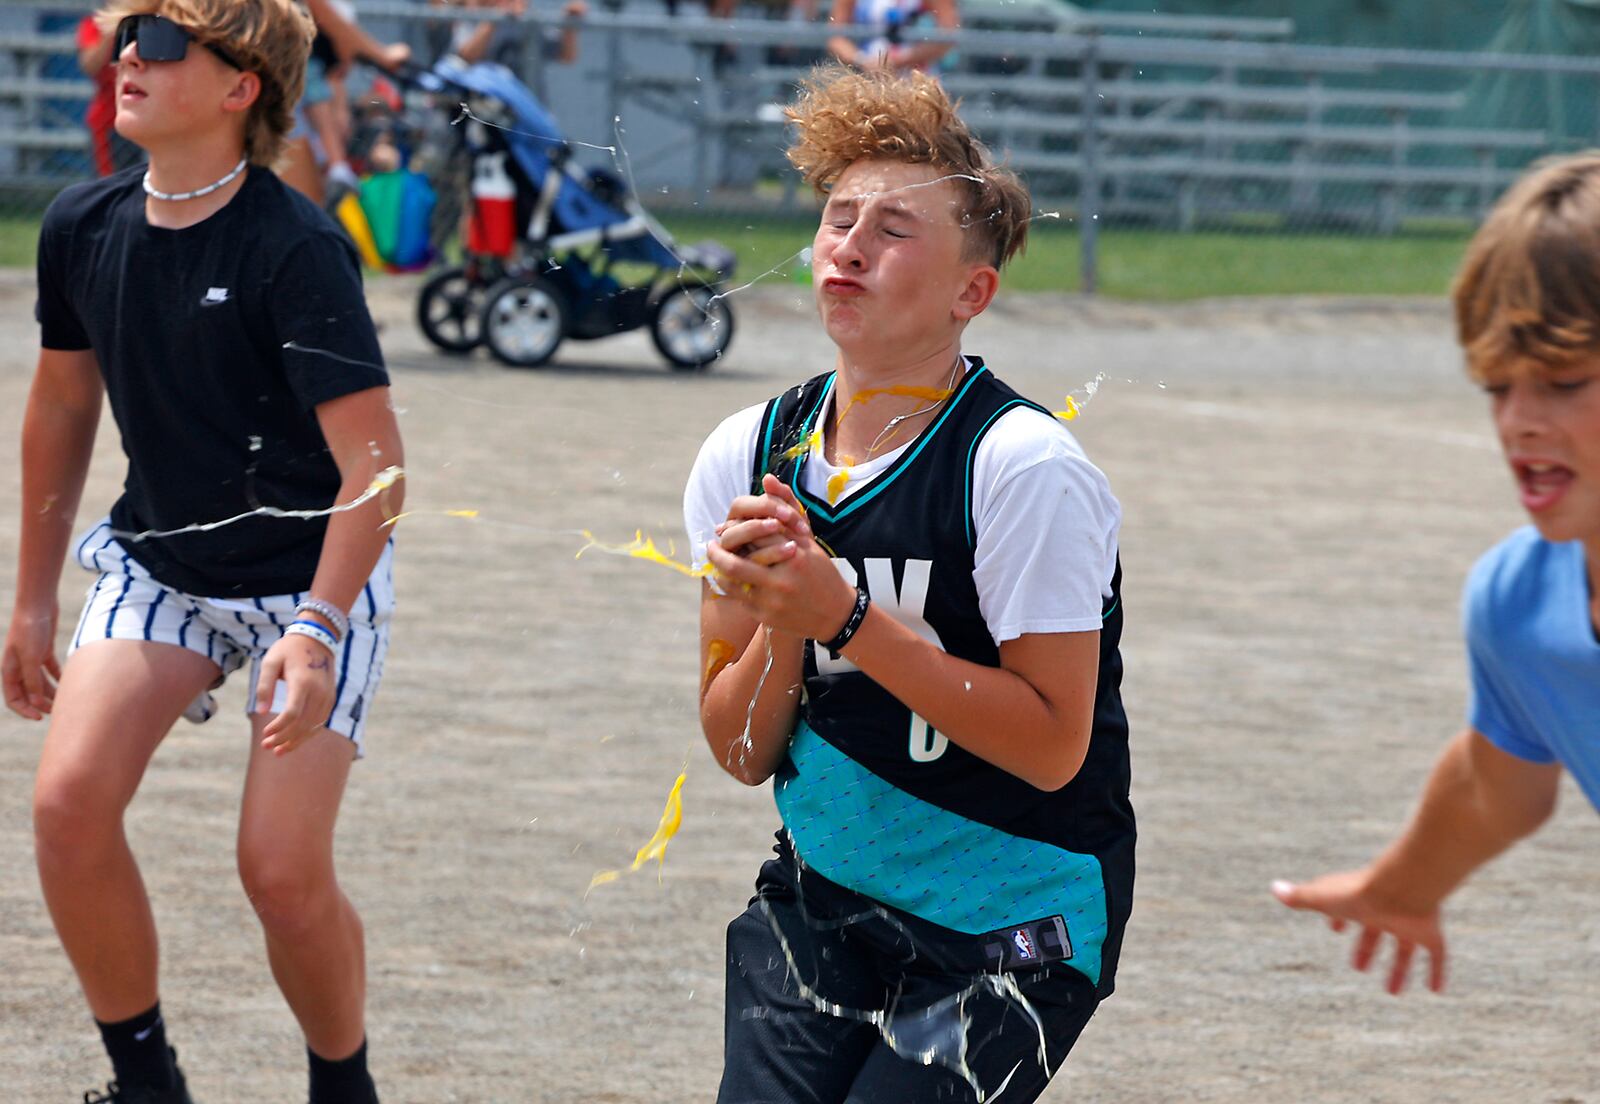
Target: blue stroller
{"x":556,"y":251}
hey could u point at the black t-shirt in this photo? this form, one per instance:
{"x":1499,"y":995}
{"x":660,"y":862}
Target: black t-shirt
{"x":216,"y":342}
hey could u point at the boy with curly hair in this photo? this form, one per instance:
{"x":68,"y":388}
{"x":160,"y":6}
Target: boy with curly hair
{"x":223,"y":316}
{"x":913,"y":630}
{"x":1527,"y":303}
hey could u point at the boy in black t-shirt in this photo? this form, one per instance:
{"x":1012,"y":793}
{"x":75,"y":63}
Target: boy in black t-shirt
{"x":223,"y":316}
{"x":914,"y":634}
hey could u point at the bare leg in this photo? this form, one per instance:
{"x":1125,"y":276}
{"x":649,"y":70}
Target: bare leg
{"x":314,"y":938}
{"x":116,"y":701}
{"x":325,"y":117}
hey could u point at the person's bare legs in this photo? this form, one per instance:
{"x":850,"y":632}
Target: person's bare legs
{"x":325,"y":118}
{"x":116,"y":701}
{"x":313,"y":935}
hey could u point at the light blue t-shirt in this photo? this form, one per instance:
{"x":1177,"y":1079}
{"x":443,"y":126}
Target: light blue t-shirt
{"x":1534,"y":658}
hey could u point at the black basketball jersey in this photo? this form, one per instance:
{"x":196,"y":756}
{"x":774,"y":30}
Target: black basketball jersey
{"x":877,"y":801}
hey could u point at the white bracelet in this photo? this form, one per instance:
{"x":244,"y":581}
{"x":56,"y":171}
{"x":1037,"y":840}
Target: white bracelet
{"x":315,"y":632}
{"x":341,"y":622}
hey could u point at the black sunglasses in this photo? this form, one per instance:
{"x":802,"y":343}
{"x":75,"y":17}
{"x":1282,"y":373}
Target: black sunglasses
{"x":160,"y":39}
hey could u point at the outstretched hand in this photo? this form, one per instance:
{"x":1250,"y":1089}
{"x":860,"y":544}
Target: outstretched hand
{"x":393,"y":56}
{"x":1348,"y":898}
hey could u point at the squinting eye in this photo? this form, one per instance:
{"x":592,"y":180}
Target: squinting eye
{"x":1569,"y":385}
{"x":896,"y":234}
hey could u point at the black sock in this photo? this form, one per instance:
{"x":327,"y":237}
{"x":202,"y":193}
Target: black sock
{"x":343,"y":1082}
{"x":138,"y":1050}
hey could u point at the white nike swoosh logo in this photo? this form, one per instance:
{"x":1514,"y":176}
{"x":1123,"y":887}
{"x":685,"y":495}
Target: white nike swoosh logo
{"x":141,"y":1036}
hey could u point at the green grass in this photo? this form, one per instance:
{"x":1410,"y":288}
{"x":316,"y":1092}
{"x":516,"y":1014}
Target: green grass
{"x":1134,"y":264}
{"x":19,"y":238}
{"x":1157,"y":264}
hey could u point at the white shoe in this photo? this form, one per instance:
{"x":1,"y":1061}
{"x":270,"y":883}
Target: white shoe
{"x":344,"y":176}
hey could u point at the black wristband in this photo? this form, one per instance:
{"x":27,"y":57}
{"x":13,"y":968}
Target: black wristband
{"x":858,"y":614}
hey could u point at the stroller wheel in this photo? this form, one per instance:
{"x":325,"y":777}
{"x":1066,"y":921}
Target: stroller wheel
{"x":524,"y":320}
{"x":692,"y":327}
{"x":450,"y":311}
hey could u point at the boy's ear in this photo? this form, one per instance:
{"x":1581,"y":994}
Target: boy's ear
{"x":245,"y":92}
{"x":983,"y":281}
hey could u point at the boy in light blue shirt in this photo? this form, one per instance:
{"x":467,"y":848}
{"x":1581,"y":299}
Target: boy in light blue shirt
{"x":1527,"y":304}
{"x":1534,"y":655}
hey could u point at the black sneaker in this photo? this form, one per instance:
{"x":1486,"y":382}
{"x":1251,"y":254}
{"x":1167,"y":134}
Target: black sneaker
{"x":115,"y":1094}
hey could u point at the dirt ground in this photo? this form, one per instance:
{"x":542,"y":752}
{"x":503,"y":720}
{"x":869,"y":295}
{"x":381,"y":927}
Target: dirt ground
{"x":1305,"y":486}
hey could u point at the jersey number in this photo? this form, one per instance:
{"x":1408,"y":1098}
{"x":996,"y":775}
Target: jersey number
{"x":906,"y":605}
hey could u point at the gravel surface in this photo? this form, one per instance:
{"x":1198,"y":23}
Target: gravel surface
{"x":1305,"y":484}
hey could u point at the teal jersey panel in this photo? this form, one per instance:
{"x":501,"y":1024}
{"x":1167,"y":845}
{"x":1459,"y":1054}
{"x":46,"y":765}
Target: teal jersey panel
{"x":859,"y":831}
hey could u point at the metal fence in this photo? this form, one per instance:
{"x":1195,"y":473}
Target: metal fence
{"x":1181,"y":123}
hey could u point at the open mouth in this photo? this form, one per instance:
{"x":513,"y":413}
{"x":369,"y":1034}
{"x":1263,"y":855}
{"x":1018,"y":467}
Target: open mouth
{"x":1542,"y":483}
{"x":131,"y":92}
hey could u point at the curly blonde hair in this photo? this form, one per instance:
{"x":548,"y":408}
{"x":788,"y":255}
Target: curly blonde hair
{"x":1529,"y":286}
{"x":271,"y":38}
{"x":844,"y":116}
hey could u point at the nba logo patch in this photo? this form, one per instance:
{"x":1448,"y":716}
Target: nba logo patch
{"x":1033,"y":944}
{"x":1024,"y":945}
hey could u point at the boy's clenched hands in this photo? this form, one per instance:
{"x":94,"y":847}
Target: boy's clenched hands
{"x":772,"y":565}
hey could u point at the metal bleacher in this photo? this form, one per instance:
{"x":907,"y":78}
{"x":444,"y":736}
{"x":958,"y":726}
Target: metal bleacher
{"x":43,"y":143}
{"x":1184,"y":121}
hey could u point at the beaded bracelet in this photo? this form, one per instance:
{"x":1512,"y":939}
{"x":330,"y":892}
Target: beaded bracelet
{"x":337,"y":616}
{"x":858,"y":614}
{"x":316,"y":632}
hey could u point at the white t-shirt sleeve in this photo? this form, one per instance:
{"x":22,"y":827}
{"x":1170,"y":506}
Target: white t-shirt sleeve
{"x":721,"y":473}
{"x":1046,"y":529}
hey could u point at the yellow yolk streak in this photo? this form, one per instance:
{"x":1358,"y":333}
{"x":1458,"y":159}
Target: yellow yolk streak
{"x":1072,"y":410}
{"x":439,"y":513}
{"x":644,"y":548}
{"x":904,"y":391}
{"x":794,"y":452}
{"x":719,"y":653}
{"x":656,"y":847}
{"x":836,"y":485}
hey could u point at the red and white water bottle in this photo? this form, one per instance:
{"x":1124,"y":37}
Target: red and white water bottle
{"x":492,"y":230}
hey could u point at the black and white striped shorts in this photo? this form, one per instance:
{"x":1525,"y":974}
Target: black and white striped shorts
{"x":126,"y":603}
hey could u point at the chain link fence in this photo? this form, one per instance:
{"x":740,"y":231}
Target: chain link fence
{"x":1149,"y":138}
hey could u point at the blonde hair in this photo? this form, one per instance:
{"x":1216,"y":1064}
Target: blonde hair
{"x":844,"y":116}
{"x":1529,"y":287}
{"x":270,"y":38}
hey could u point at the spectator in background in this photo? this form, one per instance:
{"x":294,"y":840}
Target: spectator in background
{"x":316,"y":155}
{"x":794,"y":11}
{"x":504,"y":40}
{"x":889,"y":17}
{"x":112,"y":152}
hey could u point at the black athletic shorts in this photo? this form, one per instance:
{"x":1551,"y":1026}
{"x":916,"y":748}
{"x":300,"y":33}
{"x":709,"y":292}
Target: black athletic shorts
{"x":793,"y":949}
